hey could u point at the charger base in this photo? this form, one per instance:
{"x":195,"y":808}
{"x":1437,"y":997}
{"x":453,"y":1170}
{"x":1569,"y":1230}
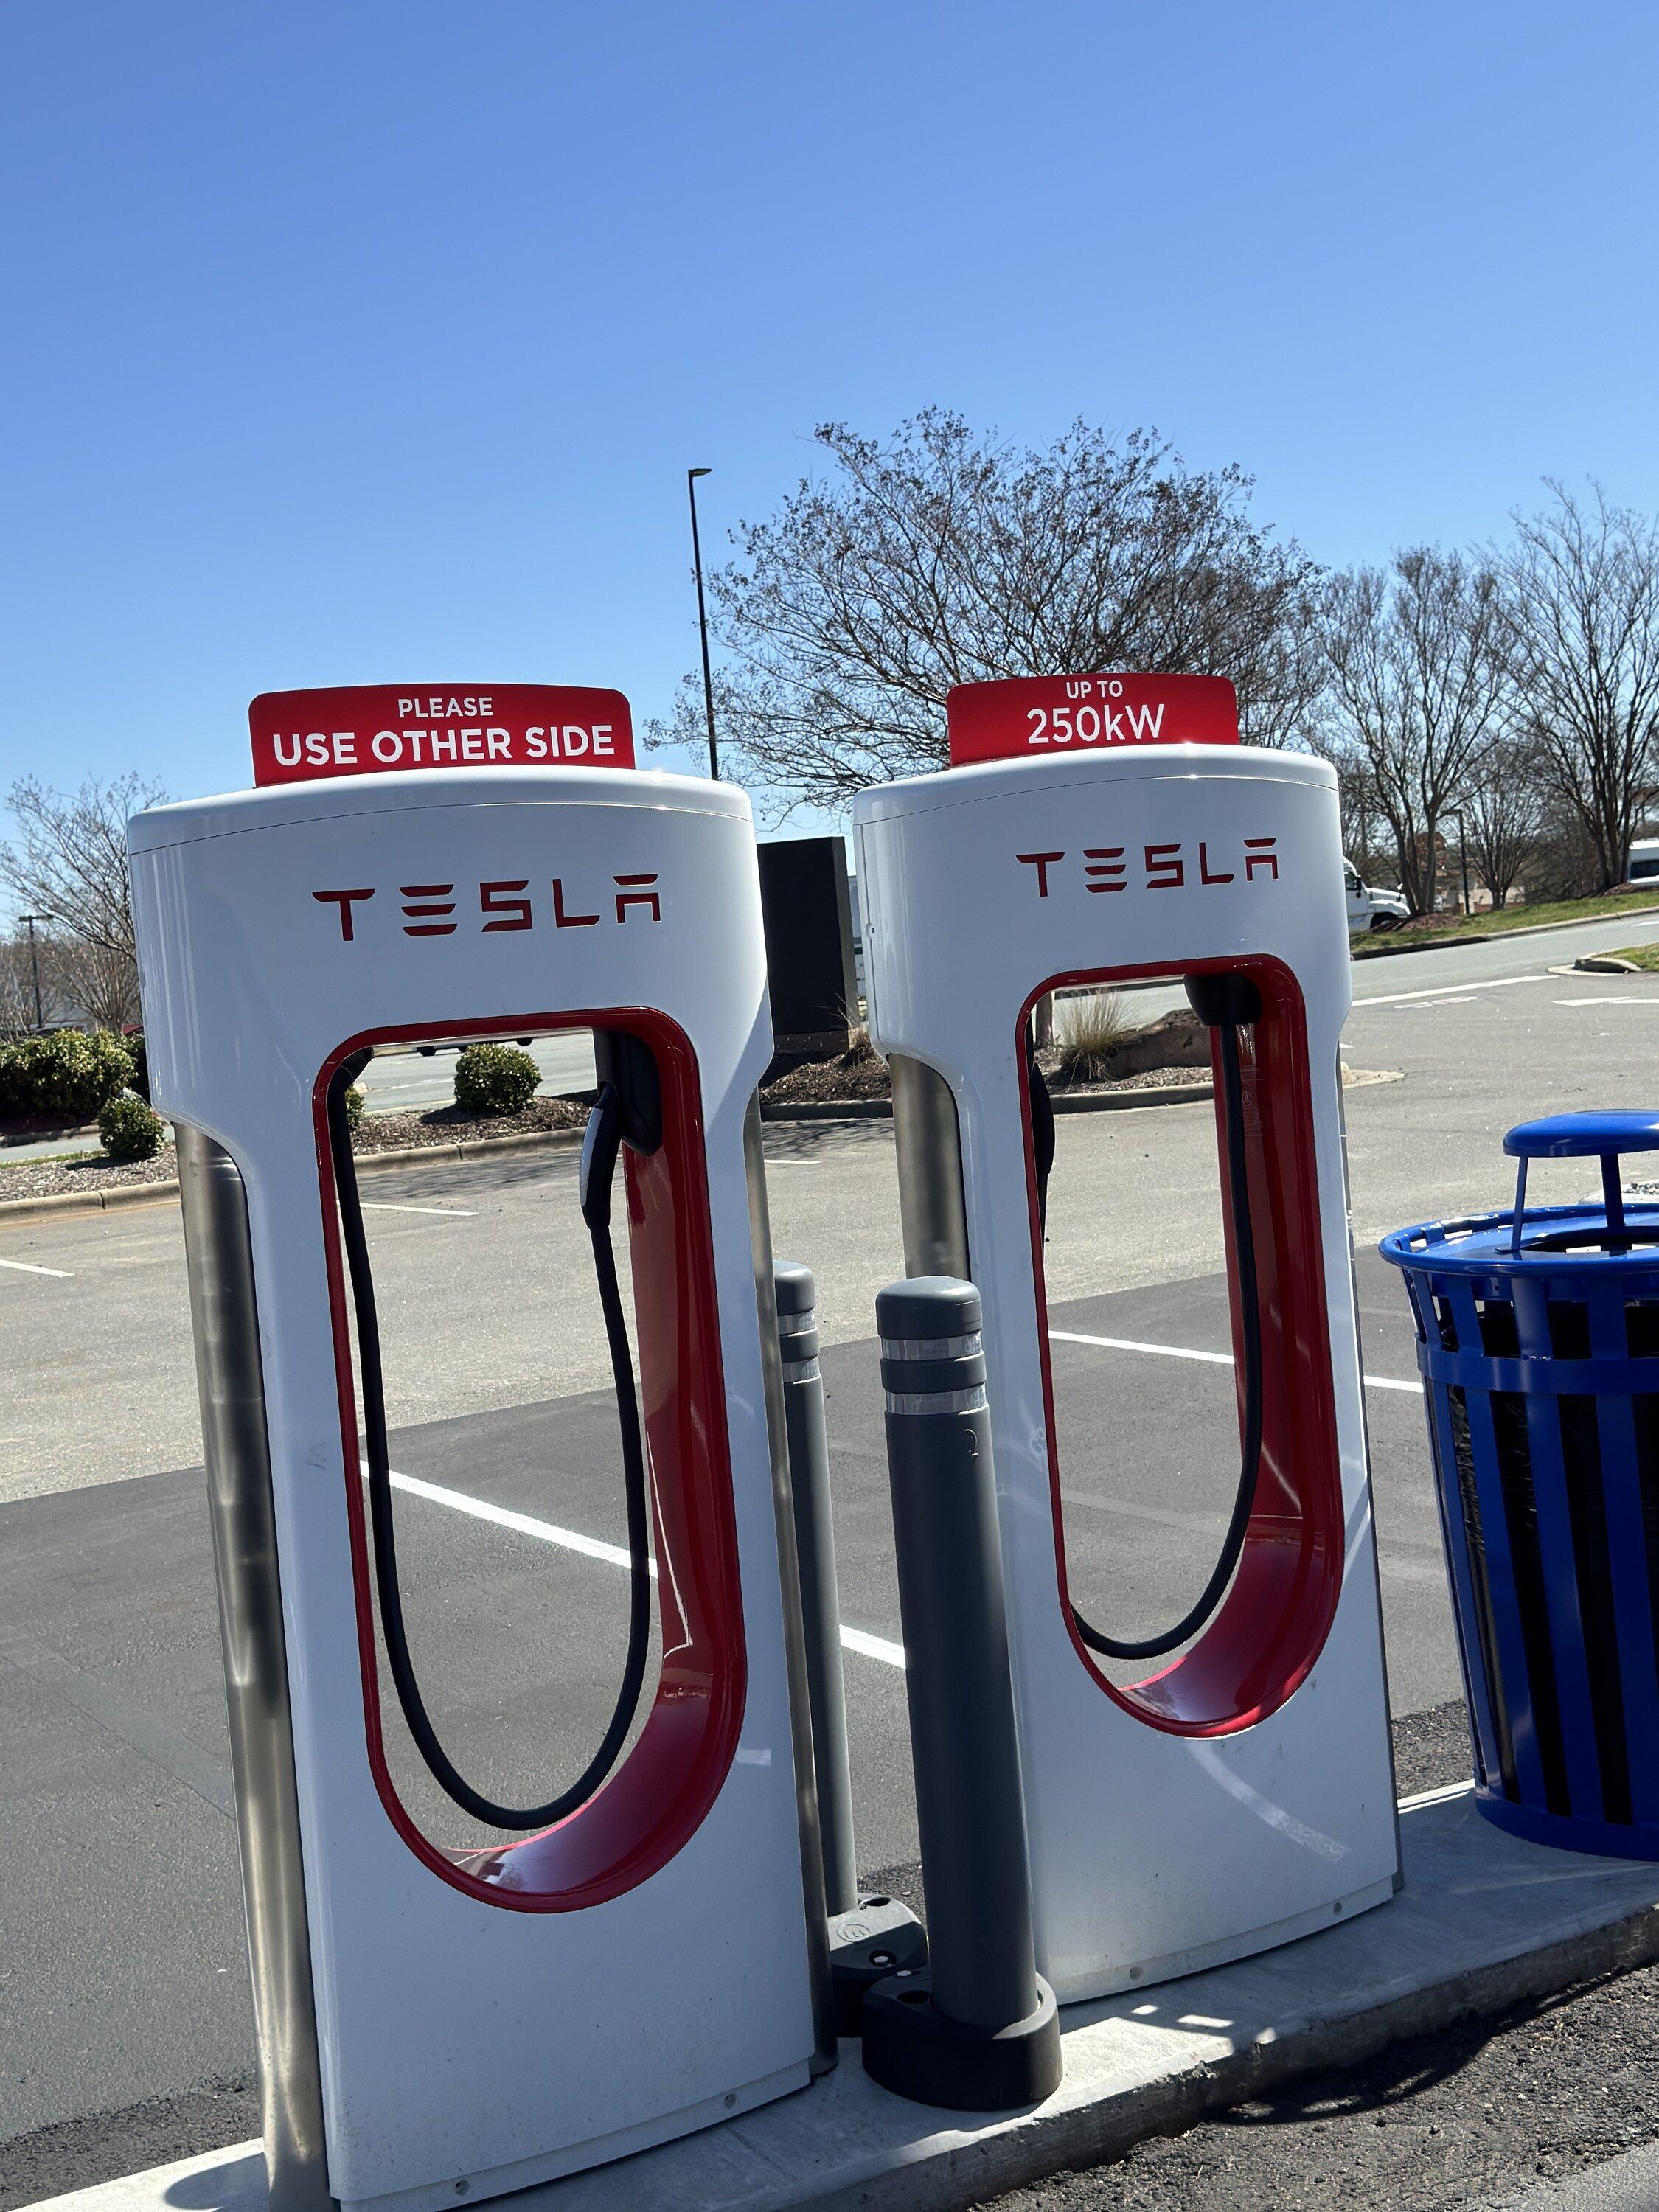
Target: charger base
{"x":911,"y":2048}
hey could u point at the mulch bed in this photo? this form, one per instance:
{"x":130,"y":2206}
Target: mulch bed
{"x":48,"y":1178}
{"x":862,"y":1073}
{"x":1150,"y":1079}
{"x":449,"y":1125}
{"x":377,"y":1132}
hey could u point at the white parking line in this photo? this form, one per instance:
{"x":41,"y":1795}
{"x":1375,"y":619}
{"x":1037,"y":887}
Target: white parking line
{"x":24,"y":1268}
{"x":1446,"y":990}
{"x":873,"y":1647}
{"x":524,"y":1524}
{"x":1213,"y":1359}
{"x":591,"y":1547}
{"x":449,"y":1212}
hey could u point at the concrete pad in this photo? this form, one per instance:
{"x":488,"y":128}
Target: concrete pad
{"x":1627,"y":2184}
{"x":1483,"y":1921}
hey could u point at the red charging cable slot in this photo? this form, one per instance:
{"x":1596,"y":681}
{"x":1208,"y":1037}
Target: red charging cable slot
{"x":1268,"y":1630}
{"x":662,"y":1790}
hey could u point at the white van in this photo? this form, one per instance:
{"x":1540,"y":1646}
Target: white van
{"x":1643,"y":866}
{"x":1371,"y":908}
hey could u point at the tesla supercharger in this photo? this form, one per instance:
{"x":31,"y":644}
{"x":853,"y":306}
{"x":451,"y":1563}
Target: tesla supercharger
{"x":1238,"y":1792}
{"x":442,"y":2017}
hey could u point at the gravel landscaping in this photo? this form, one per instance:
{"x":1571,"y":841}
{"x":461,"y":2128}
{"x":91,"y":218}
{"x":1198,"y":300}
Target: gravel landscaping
{"x":862,"y":1073}
{"x":376,"y":1132}
{"x":90,"y":1172}
{"x":1473,"y":2115}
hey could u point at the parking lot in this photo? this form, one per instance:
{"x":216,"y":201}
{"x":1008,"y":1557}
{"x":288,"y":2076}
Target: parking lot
{"x":124,"y":1982}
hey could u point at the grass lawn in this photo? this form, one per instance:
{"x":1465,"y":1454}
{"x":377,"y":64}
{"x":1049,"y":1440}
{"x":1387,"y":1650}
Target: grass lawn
{"x":1639,"y":956}
{"x":1434,"y":930}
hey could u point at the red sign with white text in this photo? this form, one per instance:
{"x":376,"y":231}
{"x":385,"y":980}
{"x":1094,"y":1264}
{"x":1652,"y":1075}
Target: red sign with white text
{"x":1046,"y":717}
{"x":372,"y":729}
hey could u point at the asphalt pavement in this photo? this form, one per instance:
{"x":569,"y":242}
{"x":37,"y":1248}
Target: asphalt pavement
{"x":123,"y":1983}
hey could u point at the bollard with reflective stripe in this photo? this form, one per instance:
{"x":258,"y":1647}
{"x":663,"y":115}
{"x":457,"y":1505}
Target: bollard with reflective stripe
{"x":870,"y":1935}
{"x":978,"y":2030}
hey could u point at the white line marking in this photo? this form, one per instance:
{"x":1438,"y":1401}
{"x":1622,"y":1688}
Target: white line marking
{"x":1442,"y":1795}
{"x":449,"y":1212}
{"x":524,"y":1524}
{"x":1129,"y":1344}
{"x":1621,"y":998}
{"x":1213,"y":1359}
{"x":873,"y":1647}
{"x":24,"y":1268}
{"x":1498,"y":983}
{"x":571,"y":1539}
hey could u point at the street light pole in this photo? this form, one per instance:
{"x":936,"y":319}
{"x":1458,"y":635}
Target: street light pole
{"x":1463,"y":860}
{"x":34,"y":962}
{"x":691,"y":475}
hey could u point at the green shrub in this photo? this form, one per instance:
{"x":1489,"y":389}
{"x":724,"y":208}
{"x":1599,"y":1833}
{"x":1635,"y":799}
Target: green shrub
{"x":129,"y":1130}
{"x":495,"y":1079}
{"x":354,"y":1105}
{"x":67,"y":1075}
{"x":134,"y":1041}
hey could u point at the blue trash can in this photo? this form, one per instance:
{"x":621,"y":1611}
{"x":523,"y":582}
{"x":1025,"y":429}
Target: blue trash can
{"x":1538,"y":1339}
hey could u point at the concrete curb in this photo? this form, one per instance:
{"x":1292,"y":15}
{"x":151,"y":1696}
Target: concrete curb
{"x":881,"y":1109}
{"x":1366,"y":949}
{"x":1484,"y":1921}
{"x":62,"y":1205}
{"x":57,"y":1205}
{"x":1085,"y":1102}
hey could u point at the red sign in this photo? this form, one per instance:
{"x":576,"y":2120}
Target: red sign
{"x":1045,"y":717}
{"x":371,"y":729}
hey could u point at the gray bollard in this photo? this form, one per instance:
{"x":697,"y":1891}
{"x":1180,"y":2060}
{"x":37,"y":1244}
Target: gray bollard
{"x":978,"y":2030}
{"x":870,"y":1936}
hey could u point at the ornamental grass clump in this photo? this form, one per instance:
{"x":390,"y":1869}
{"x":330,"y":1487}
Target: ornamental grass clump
{"x":1088,"y":1031}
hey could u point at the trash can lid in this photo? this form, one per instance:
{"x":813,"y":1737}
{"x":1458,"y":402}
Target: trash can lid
{"x":1582,"y":1136}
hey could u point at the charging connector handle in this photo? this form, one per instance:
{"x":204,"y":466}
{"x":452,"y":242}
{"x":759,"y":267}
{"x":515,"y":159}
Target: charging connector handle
{"x":599,"y":1150}
{"x":1223,"y":1002}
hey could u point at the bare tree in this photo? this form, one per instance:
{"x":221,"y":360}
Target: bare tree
{"x":942,"y":556}
{"x":1561,"y":863}
{"x":1502,"y":812}
{"x":70,"y":861}
{"x":1581,"y":587}
{"x":97,"y":983}
{"x":1416,"y":685}
{"x":1366,"y":838}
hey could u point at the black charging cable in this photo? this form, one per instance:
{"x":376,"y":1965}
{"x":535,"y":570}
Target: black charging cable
{"x":599,"y":1149}
{"x":1223,"y":1002}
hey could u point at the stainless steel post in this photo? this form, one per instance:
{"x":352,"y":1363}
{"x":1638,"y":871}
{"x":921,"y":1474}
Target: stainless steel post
{"x":933,"y":1210}
{"x":815,"y":1547}
{"x":980,"y":2030}
{"x":826,"y":2054}
{"x":230,"y":1383}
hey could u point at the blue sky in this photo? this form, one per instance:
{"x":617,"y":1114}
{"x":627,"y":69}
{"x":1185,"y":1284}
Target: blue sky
{"x":347,"y":341}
